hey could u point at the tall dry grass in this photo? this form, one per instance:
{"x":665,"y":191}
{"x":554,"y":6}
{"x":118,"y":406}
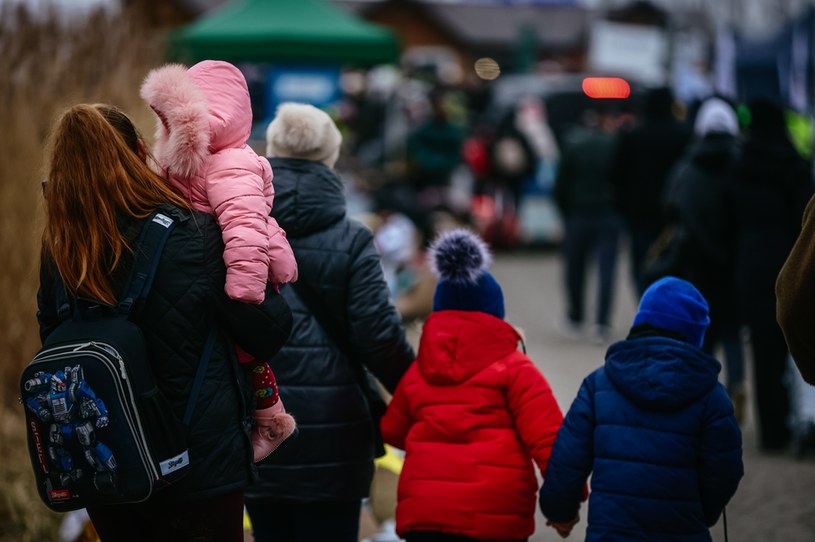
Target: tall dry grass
{"x":46,"y":65}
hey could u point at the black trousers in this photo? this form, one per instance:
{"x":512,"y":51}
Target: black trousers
{"x":772,"y":395}
{"x":218,"y":519}
{"x":591,"y":236}
{"x":282,"y":521}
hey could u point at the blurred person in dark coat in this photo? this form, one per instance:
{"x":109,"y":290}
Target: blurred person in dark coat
{"x":434,"y":150}
{"x":592,"y":224}
{"x":645,"y":156}
{"x":695,"y":201}
{"x":523,"y":143}
{"x":771,"y":186}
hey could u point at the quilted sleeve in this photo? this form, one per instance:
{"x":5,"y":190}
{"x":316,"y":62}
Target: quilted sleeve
{"x":571,"y":461}
{"x":282,"y":265}
{"x":375,"y":330}
{"x":721,"y":467}
{"x":397,"y":420}
{"x":260,"y":329}
{"x":236,"y":196}
{"x":534,"y":409}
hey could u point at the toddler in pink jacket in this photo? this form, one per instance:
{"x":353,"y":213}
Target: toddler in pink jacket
{"x":204,"y":120}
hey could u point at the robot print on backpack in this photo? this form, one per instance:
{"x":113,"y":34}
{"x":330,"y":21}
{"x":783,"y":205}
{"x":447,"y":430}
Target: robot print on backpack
{"x":66,"y":402}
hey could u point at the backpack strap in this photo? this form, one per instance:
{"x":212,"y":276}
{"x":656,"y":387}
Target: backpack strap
{"x":153,"y":237}
{"x":146,"y":256}
{"x":61,"y":296}
{"x":198,"y":381}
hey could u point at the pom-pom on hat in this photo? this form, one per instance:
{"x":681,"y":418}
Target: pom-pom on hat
{"x":460,"y":259}
{"x":676,"y":305}
{"x":303,"y":131}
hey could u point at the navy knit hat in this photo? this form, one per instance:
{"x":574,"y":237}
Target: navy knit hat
{"x":675,"y":304}
{"x":460,"y":259}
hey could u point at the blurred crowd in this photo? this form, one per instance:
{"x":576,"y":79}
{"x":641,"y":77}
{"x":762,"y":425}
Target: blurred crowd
{"x":711,"y":191}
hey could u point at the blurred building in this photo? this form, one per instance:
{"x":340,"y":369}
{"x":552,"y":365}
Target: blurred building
{"x":738,"y":48}
{"x":517,"y":35}
{"x":756,"y":17}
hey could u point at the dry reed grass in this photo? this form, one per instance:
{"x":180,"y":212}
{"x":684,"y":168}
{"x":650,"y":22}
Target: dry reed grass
{"x":46,"y":66}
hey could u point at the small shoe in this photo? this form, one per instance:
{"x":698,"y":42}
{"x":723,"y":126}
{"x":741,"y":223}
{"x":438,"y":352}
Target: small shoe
{"x":272,"y":427}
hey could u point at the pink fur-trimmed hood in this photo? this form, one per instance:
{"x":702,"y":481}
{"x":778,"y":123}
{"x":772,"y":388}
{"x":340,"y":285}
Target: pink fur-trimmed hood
{"x":200,"y":110}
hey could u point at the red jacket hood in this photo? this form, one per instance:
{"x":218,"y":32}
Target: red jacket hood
{"x":455,"y":345}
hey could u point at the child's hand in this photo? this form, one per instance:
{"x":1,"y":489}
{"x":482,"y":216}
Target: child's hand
{"x":564,"y":529}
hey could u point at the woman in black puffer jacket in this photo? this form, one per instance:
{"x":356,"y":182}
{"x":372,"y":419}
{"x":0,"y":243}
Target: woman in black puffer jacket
{"x":344,"y":322}
{"x":98,"y":196}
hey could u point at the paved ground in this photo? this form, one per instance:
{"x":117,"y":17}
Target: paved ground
{"x":776,"y":498}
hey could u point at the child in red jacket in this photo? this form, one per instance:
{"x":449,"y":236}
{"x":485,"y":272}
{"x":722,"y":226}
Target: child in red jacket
{"x":472,"y":413}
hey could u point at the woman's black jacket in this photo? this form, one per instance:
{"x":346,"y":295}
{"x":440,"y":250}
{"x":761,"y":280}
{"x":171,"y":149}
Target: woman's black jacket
{"x":341,"y":275}
{"x":187,"y":299}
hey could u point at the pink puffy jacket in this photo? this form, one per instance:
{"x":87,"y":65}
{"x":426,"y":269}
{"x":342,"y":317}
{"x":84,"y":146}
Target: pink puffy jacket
{"x":204,"y":121}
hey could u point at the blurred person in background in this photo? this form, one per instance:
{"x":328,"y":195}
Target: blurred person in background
{"x":434,"y":151}
{"x":592,"y":224}
{"x":532,"y":121}
{"x":769,"y":191}
{"x":401,"y":235}
{"x":344,"y":326}
{"x":695,"y":203}
{"x":514,"y":160}
{"x":645,"y":156}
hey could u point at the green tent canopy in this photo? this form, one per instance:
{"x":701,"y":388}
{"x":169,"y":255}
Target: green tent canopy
{"x":284,"y":31}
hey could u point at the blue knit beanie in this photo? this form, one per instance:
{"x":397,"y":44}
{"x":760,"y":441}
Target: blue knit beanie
{"x":460,"y":259}
{"x":675,"y":304}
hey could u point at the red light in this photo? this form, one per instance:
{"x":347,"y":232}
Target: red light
{"x":606,"y":87}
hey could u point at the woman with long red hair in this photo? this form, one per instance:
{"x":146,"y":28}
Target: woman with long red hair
{"x":98,"y":194}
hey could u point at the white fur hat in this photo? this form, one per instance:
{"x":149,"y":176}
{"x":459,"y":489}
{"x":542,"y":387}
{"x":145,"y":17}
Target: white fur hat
{"x":303,"y":131}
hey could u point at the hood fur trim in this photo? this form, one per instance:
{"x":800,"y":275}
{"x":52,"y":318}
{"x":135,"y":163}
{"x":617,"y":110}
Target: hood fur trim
{"x":182,"y":127}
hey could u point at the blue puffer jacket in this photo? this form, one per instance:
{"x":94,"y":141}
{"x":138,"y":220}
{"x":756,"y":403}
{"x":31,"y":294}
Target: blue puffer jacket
{"x":657,"y":432}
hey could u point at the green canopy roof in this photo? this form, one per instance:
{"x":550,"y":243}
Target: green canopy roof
{"x":287,"y":31}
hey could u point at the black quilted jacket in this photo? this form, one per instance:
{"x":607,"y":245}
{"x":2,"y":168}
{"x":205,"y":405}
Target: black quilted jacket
{"x":187,"y":299}
{"x":332,"y":458}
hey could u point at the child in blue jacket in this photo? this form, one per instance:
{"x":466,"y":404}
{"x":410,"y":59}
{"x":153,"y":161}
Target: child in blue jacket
{"x":654,"y":428}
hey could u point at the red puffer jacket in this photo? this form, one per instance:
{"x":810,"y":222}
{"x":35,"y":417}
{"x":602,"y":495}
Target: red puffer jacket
{"x":472,"y":414}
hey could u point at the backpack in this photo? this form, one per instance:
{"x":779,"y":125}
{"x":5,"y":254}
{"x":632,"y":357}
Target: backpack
{"x":99,"y":430}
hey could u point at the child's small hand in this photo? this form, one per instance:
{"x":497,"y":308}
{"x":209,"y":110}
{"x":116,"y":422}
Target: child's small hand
{"x":564,"y":529}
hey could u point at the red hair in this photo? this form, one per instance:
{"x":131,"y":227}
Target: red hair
{"x":94,"y":178}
